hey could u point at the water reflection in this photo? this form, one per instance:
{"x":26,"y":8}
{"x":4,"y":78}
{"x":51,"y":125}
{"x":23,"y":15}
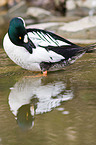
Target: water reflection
{"x":31,"y":96}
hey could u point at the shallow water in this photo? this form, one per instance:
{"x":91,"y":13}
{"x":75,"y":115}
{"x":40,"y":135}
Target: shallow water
{"x":57,"y":109}
{"x":54,"y":110}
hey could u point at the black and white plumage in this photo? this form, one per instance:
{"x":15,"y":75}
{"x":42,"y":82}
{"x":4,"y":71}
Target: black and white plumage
{"x":38,"y":50}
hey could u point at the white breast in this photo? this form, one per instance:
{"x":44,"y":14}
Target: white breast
{"x":20,"y":55}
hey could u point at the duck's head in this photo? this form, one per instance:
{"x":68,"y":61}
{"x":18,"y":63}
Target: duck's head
{"x":18,"y":34}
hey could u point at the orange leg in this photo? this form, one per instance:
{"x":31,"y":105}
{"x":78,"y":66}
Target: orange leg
{"x":45,"y":73}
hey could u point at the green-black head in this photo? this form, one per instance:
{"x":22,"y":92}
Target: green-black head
{"x":18,"y":34}
{"x":17,"y":31}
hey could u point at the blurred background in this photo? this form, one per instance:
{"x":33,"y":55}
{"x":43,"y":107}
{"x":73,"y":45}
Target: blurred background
{"x":58,"y":7}
{"x":57,"y":12}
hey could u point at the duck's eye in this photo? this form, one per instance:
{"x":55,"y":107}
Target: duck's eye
{"x":20,"y":37}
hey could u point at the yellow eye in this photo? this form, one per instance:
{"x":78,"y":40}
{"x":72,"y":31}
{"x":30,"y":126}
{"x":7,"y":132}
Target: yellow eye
{"x":20,"y":37}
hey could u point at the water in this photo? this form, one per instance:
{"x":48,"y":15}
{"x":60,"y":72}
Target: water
{"x":59,"y":109}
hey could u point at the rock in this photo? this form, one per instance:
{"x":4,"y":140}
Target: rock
{"x":79,"y":11}
{"x":45,"y":4}
{"x":84,"y":28}
{"x":81,"y":7}
{"x":72,"y":4}
{"x":38,"y":13}
{"x":51,"y":26}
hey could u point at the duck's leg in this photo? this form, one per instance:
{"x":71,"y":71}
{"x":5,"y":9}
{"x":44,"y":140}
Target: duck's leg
{"x":45,"y":73}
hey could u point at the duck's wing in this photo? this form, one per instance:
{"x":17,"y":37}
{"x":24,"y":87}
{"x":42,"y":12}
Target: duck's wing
{"x":54,"y":43}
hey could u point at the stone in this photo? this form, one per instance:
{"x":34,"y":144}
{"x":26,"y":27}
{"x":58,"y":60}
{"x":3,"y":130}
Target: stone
{"x":72,"y":4}
{"x":50,"y":26}
{"x":38,"y":13}
{"x":81,"y":7}
{"x":80,"y":29}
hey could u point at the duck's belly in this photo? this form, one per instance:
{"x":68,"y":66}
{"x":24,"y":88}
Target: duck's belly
{"x":26,"y":63}
{"x":32,"y":67}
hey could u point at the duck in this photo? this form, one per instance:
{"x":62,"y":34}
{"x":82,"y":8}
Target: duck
{"x":39,"y":50}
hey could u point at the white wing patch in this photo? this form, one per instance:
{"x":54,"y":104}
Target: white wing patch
{"x":41,"y":39}
{"x":41,"y":54}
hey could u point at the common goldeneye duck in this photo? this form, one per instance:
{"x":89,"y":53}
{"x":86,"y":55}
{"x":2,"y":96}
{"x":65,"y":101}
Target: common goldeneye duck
{"x":39,"y":50}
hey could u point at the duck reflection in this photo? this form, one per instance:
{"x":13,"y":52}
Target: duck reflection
{"x":25,"y":115}
{"x":31,"y":96}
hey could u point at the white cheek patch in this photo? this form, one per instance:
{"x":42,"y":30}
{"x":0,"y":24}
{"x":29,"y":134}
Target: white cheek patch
{"x":26,"y":38}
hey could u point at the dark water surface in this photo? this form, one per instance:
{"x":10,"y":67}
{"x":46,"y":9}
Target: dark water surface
{"x":59,"y":109}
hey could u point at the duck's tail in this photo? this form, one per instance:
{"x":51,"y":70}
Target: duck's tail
{"x":90,"y":48}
